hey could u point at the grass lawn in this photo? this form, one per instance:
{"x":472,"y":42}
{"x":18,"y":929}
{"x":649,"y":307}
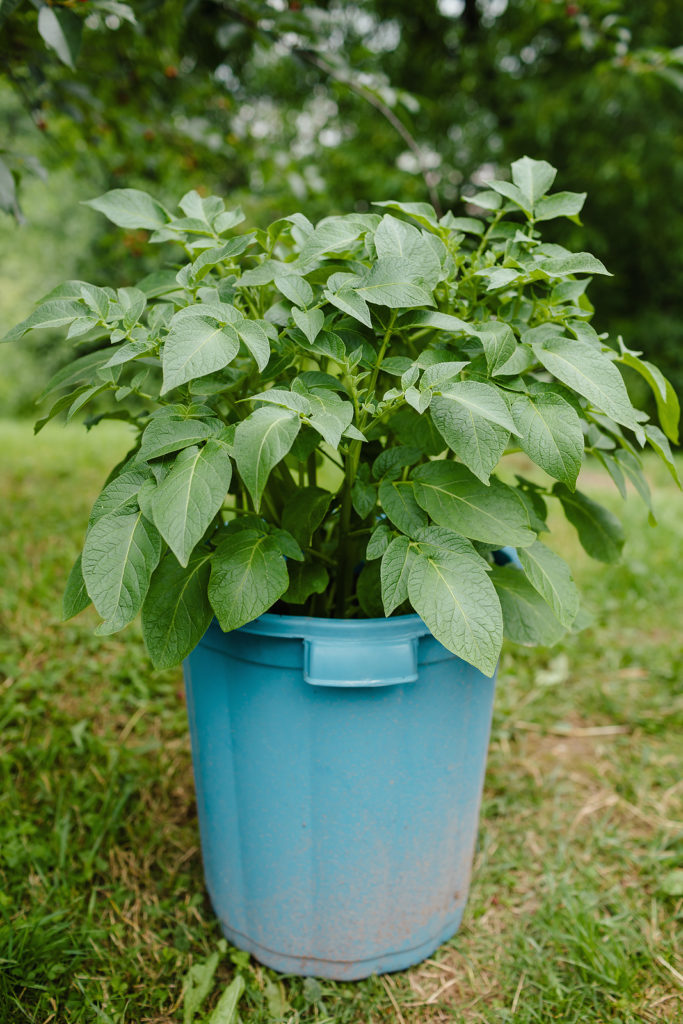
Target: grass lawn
{"x":576,"y":906}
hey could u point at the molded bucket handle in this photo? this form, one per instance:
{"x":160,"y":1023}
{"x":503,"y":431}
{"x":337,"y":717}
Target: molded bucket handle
{"x":377,"y":663}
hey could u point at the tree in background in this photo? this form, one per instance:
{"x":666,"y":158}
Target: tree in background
{"x":326,"y":106}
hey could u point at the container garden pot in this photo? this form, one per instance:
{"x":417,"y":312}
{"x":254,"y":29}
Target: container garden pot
{"x":339,"y":767}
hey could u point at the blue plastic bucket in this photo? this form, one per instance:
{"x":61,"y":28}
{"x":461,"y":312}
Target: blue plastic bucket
{"x":339,"y":766}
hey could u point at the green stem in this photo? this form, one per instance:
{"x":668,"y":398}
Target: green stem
{"x":344,"y":559}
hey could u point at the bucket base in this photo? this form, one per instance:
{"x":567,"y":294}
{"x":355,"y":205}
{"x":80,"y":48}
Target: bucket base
{"x":343,"y":970}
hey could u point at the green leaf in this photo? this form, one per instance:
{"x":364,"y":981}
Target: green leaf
{"x":295,"y":288}
{"x":658,"y":441}
{"x":219,"y":254}
{"x":61,"y":31}
{"x":167,"y":434}
{"x":439,"y":321}
{"x":309,"y":321}
{"x":196,"y":346}
{"x":287,"y":544}
{"x":454,"y":498}
{"x":380,"y":539}
{"x":533,"y":177}
{"x":76,"y":596}
{"x":256,"y":340}
{"x":187,"y":500}
{"x":225,"y":1011}
{"x":305,"y":578}
{"x":394,"y":238}
{"x":332,"y":235}
{"x":528,"y":619}
{"x":417,"y":431}
{"x":423,"y":213}
{"x":304,"y":512}
{"x":120,"y":494}
{"x":350,"y":302}
{"x":550,"y":576}
{"x":397,"y":562}
{"x":455,"y":598}
{"x":589,"y":373}
{"x":130,"y":208}
{"x":398,"y":501}
{"x":498,"y":342}
{"x":390,"y":463}
{"x":474,"y":420}
{"x":561,"y":204}
{"x":441,"y":373}
{"x":55,"y":313}
{"x":668,"y":407}
{"x":551,"y":434}
{"x":363,"y":497}
{"x":600,"y":532}
{"x":176,"y":612}
{"x":369,"y":590}
{"x":261,"y":441}
{"x":121,"y":552}
{"x":512,"y":192}
{"x":435,"y":539}
{"x":248,"y":575}
{"x":392,"y":282}
{"x":630,"y":466}
{"x":573,"y":263}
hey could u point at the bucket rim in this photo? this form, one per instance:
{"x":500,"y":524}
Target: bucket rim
{"x":396,"y":627}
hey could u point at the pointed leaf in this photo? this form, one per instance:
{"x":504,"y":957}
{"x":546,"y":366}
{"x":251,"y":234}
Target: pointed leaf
{"x":660,"y":444}
{"x":590,"y":373}
{"x":76,"y":596}
{"x":167,"y":434}
{"x":295,"y":288}
{"x":573,"y":263}
{"x":176,"y":612}
{"x":533,"y":177}
{"x":398,"y":501}
{"x":550,"y":576}
{"x":600,"y":532}
{"x":454,"y":498}
{"x":455,"y":598}
{"x":392,"y":283}
{"x":186,"y":501}
{"x":261,"y":441}
{"x":551,"y":434}
{"x":668,"y":407}
{"x":248,"y":575}
{"x":528,"y":619}
{"x":61,"y":30}
{"x":304,"y":512}
{"x":474,"y":420}
{"x":561,"y":204}
{"x":119,"y":494}
{"x":130,"y":208}
{"x":305,"y":578}
{"x":195,"y":347}
{"x":256,"y":340}
{"x":309,"y":321}
{"x":121,"y":552}
{"x":397,"y":561}
{"x":350,"y":302}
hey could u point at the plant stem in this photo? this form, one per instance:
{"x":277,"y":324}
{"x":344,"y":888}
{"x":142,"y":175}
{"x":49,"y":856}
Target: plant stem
{"x":344,"y":559}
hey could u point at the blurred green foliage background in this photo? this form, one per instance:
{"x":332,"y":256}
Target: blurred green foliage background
{"x":326,"y":106}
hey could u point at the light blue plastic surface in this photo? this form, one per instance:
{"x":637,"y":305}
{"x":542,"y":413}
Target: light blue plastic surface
{"x":339,"y":766}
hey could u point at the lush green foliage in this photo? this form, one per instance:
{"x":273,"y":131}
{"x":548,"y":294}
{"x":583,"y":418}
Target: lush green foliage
{"x":319,"y":411}
{"x":576,"y":891}
{"x":322,"y":105}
